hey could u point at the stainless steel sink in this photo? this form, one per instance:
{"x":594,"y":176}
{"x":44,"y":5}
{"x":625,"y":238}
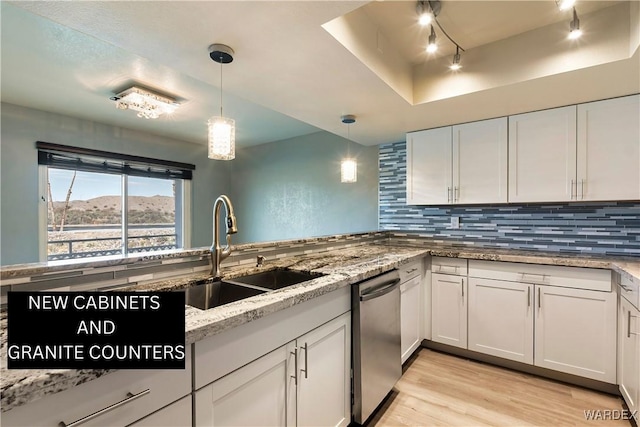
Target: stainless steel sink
{"x":274,"y":279}
{"x":208,"y":295}
{"x":214,"y":294}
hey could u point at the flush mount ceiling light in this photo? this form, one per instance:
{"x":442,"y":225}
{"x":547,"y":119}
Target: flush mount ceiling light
{"x":427,"y":11}
{"x":148,"y":104}
{"x":349,"y":165}
{"x":574,"y":26}
{"x":222,"y":130}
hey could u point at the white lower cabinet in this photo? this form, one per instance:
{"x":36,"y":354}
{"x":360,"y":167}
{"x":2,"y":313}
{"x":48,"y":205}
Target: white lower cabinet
{"x":449,"y":310}
{"x":254,"y":395}
{"x":629,"y":354}
{"x":501,"y":319}
{"x":410,"y":320}
{"x":178,"y":414}
{"x":576,"y":332}
{"x":306,"y":382}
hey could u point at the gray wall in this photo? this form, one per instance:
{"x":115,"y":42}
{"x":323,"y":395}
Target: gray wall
{"x":22,"y":127}
{"x":291,"y":189}
{"x":611,"y":228}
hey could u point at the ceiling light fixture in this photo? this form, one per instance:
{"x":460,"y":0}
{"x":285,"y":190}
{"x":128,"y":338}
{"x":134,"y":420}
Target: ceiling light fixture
{"x":349,"y":165}
{"x":432,"y":46}
{"x":455,"y":65}
{"x":222,"y":130}
{"x":565,"y":4}
{"x":148,"y":104}
{"x":427,"y":11}
{"x":574,"y":26}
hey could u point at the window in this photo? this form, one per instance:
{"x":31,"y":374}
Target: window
{"x":105,"y":204}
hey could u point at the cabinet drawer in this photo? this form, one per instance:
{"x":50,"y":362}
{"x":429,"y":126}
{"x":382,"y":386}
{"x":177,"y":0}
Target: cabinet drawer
{"x":567,"y":277}
{"x":164,"y":385}
{"x":444,"y":265}
{"x":629,"y":289}
{"x":411,"y":270}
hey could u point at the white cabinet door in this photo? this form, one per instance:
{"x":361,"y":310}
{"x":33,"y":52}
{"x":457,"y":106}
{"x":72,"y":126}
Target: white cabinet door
{"x":410,"y":303}
{"x":629,"y":353}
{"x":429,"y":167}
{"x":178,"y":414}
{"x":542,"y":156}
{"x":324,"y":374}
{"x":575,"y":332}
{"x":254,"y":395}
{"x":501,"y":319}
{"x":480,"y":162}
{"x":609,"y":149}
{"x":449,"y":310}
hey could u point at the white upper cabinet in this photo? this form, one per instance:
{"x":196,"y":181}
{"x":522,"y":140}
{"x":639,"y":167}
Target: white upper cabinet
{"x":458,"y":164}
{"x":429,"y":167}
{"x":480,"y":162}
{"x":609,"y":149}
{"x":542,"y":156}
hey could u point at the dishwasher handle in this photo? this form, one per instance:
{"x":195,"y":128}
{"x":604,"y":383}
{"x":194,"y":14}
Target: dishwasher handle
{"x":383,"y":289}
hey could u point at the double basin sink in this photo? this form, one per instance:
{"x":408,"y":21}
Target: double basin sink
{"x":214,"y":294}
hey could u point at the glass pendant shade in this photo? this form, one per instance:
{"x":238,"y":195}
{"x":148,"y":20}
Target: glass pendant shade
{"x":222,"y":138}
{"x":349,"y":171}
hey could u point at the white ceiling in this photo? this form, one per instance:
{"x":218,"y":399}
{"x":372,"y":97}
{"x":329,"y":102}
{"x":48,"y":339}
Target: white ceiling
{"x":290,"y":76}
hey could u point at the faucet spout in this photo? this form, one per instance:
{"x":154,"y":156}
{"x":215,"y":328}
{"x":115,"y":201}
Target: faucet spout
{"x":218,"y":253}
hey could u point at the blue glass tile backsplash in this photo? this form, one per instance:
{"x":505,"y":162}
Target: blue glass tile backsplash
{"x":611,"y":228}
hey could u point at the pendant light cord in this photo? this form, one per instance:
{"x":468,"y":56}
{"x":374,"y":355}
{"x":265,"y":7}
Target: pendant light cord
{"x":348,"y":140}
{"x":220,"y":86}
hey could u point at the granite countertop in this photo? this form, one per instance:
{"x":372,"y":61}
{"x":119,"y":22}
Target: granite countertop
{"x":340,"y":267}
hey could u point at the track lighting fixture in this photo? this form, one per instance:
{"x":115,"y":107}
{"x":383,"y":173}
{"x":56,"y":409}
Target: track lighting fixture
{"x":565,"y":4}
{"x":432,"y":46}
{"x":455,"y":64}
{"x":425,"y":14}
{"x":574,"y":26}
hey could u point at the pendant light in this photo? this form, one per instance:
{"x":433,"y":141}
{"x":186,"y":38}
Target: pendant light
{"x":222,"y":130}
{"x":349,"y":165}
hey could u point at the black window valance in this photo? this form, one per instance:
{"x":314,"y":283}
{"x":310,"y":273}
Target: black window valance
{"x":88,"y":160}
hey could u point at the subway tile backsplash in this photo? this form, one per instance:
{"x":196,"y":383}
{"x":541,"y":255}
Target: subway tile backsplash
{"x":609,"y":228}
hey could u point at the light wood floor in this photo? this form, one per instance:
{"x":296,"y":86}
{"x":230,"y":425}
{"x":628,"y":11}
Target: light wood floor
{"x":443,"y":390}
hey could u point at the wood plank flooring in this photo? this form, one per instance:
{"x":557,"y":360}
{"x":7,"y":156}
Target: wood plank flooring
{"x":443,"y":390}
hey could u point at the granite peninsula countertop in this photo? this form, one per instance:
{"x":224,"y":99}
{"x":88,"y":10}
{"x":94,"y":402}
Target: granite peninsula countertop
{"x":341,"y":267}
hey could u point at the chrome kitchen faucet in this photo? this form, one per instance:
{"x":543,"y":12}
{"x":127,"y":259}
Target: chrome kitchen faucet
{"x":217,"y":253}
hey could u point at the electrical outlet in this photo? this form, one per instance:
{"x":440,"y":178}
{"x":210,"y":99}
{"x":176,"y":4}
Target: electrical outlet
{"x":455,"y":222}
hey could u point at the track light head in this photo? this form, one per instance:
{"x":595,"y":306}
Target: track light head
{"x":432,"y":46}
{"x":427,"y":10}
{"x":574,"y":26}
{"x":455,"y":64}
{"x":565,"y":4}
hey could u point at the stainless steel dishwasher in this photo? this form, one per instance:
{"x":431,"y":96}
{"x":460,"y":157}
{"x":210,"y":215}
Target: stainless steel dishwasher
{"x":377,"y":354}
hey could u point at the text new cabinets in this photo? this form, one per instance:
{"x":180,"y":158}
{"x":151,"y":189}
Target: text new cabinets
{"x":458,"y":164}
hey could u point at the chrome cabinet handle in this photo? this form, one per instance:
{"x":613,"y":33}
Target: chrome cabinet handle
{"x":306,"y":368}
{"x":455,"y":282}
{"x":629,"y":316}
{"x":581,"y":189}
{"x":539,"y":299}
{"x":625,"y":288}
{"x":462,"y":287}
{"x":456,"y":194}
{"x":130,"y":398}
{"x":528,"y":296}
{"x":295,"y":365}
{"x":411,"y":271}
{"x":448,"y":194}
{"x":573,"y":183}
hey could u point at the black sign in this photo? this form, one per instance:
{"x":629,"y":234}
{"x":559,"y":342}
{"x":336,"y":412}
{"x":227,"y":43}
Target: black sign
{"x":96,"y":330}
